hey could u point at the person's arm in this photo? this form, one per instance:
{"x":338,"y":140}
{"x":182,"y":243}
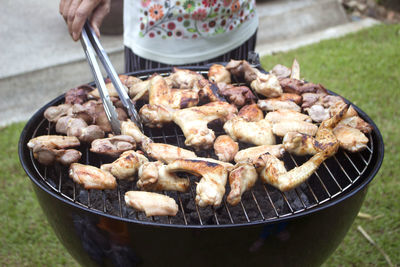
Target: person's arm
{"x":76,"y":12}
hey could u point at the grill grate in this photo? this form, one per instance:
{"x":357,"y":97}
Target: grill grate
{"x":262,"y":203}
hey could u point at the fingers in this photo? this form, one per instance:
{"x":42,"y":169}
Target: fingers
{"x":64,"y":7}
{"x":83,"y":11}
{"x":98,"y":16}
{"x":71,"y":13}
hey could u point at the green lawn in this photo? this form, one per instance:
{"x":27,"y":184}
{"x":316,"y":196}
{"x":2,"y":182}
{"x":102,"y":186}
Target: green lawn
{"x":364,"y":67}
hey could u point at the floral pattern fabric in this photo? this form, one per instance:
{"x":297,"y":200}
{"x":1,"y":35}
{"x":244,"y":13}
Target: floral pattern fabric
{"x":192,"y":18}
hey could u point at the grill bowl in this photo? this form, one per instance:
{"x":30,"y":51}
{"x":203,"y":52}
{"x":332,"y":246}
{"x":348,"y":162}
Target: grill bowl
{"x":305,"y":236}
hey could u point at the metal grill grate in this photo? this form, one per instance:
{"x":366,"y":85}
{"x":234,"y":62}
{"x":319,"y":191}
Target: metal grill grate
{"x":262,"y":203}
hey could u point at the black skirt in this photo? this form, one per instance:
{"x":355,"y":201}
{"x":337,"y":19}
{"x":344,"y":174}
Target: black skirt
{"x":134,"y":62}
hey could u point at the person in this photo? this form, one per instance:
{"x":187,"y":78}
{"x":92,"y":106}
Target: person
{"x":159,"y":33}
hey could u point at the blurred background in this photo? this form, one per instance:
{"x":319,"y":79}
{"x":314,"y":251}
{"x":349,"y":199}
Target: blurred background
{"x":350,"y":46}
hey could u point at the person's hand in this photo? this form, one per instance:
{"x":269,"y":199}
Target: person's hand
{"x":76,"y":12}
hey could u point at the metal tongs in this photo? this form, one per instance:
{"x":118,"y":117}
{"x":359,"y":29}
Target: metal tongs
{"x":92,"y":46}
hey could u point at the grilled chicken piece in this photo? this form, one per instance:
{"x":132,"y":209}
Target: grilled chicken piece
{"x":295,"y":73}
{"x":242,"y":70}
{"x":252,"y":154}
{"x":289,"y":97}
{"x":140,"y":90}
{"x":130,"y":128}
{"x":48,"y":156}
{"x":161,"y":94}
{"x":286,"y":115}
{"x":54,"y":113}
{"x":211,"y":188}
{"x":236,"y":95}
{"x":350,"y":139}
{"x":299,"y":87}
{"x":358,"y":123}
{"x":91,"y":177}
{"x":218,"y":74}
{"x":241,"y":178}
{"x":193,"y":122}
{"x":324,"y":141}
{"x":126,"y":166}
{"x":335,"y":108}
{"x":275,"y":173}
{"x":167,"y":153}
{"x":225,"y":148}
{"x":281,"y":71}
{"x":78,"y":95}
{"x":284,"y":127}
{"x":111,"y":89}
{"x":183,"y":78}
{"x":155,"y":116}
{"x":54,"y":141}
{"x":251,"y":113}
{"x":272,"y":105}
{"x":153,"y":204}
{"x":153,"y":176}
{"x":299,"y":144}
{"x":79,"y":128}
{"x":267,"y":85}
{"x":113,"y":146}
{"x":318,"y":113}
{"x":257,"y":133}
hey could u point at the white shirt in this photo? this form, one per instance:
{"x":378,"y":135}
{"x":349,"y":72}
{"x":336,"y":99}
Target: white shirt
{"x":187,"y":31}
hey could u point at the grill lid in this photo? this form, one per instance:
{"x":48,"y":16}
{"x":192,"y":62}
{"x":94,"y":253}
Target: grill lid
{"x":337,"y":178}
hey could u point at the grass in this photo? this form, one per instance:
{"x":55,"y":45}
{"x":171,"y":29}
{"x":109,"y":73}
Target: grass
{"x":364,"y":67}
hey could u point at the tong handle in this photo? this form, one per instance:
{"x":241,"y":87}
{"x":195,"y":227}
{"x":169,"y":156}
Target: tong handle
{"x":112,"y":74}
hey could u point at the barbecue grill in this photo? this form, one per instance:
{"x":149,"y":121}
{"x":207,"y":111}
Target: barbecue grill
{"x":268,"y":227}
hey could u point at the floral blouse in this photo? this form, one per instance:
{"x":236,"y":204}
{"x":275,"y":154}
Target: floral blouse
{"x":161,"y":29}
{"x":191,"y":18}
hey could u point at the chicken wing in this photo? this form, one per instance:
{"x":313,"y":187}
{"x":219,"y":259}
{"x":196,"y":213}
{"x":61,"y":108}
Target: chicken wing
{"x":161,"y":94}
{"x":130,"y":128}
{"x":218,"y":74}
{"x":155,"y":116}
{"x":257,"y":133}
{"x":211,"y":188}
{"x":126,"y":166}
{"x":167,"y":153}
{"x":113,"y":146}
{"x":273,"y":104}
{"x":54,"y":141}
{"x":267,"y":85}
{"x":252,"y":154}
{"x":295,"y":86}
{"x":275,"y":173}
{"x":153,"y":204}
{"x":241,"y":178}
{"x":91,"y":177}
{"x":283,"y":127}
{"x":324,"y":141}
{"x":251,"y":113}
{"x":193,"y":122}
{"x":225,"y":148}
{"x":357,"y":123}
{"x":286,"y":115}
{"x":183,"y":78}
{"x":350,"y":139}
{"x":153,"y":176}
